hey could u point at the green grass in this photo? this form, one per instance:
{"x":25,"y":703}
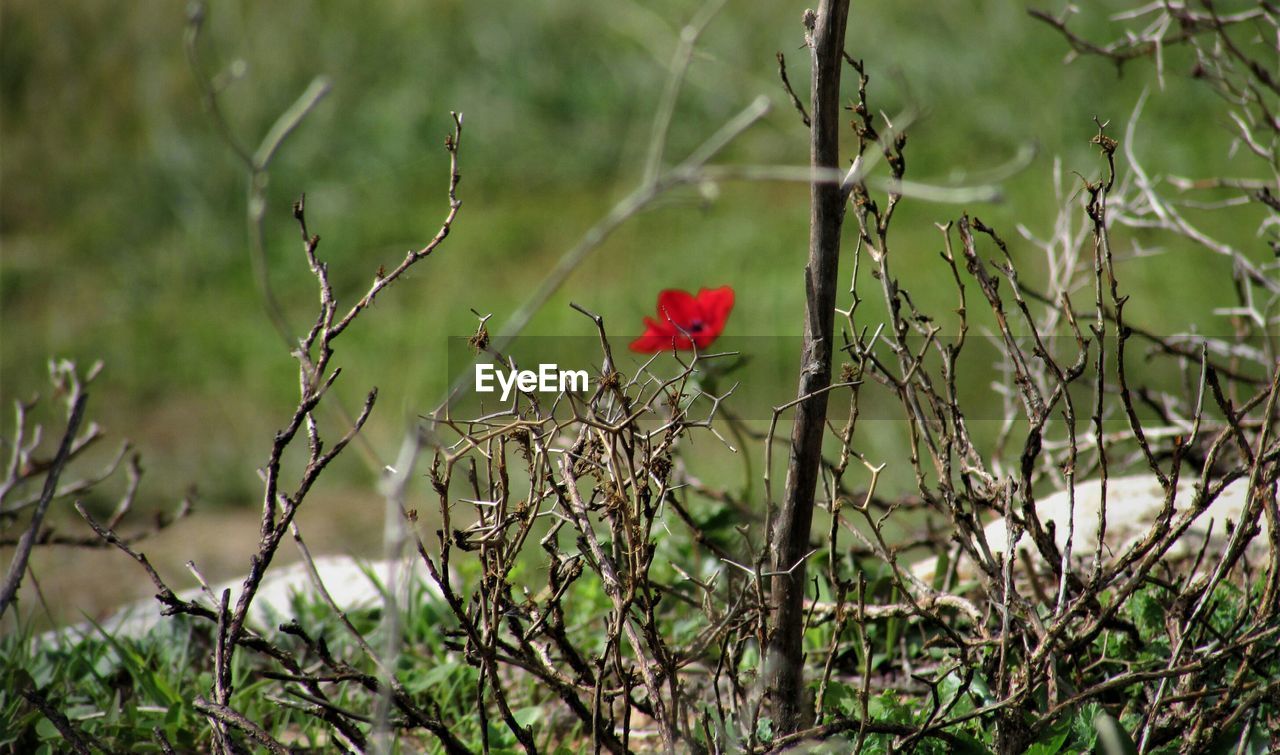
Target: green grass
{"x":117,"y":689}
{"x":113,"y":689}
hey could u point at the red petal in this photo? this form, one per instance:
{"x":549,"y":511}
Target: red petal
{"x":681,"y":315}
{"x":650,"y":343}
{"x":678,"y":307}
{"x":657,"y":337}
{"x":716,"y":304}
{"x":661,"y":327}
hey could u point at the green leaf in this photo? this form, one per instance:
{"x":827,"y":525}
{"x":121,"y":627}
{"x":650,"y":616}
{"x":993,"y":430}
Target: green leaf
{"x":1082,"y":726}
{"x":1148,"y":613}
{"x":1051,"y":742}
{"x":529,"y":716}
{"x":841,"y":697}
{"x":940,"y":569}
{"x":46,"y":730}
{"x":981,"y":690}
{"x":893,"y":627}
{"x":950,"y":687}
{"x":1112,"y":738}
{"x":1238,"y":741}
{"x":967,"y":745}
{"x":764,"y":729}
{"x":724,"y":518}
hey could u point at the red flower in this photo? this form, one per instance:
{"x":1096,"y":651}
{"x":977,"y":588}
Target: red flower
{"x":685,"y":320}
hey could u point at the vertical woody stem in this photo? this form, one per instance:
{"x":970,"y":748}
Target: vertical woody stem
{"x":784,"y":669}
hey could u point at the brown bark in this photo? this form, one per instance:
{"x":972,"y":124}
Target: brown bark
{"x":789,"y":703}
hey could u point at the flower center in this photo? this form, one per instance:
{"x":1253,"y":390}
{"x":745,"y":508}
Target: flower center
{"x":696,"y":327}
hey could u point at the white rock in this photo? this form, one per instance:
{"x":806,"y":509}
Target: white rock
{"x":1132,"y":506}
{"x":349,"y":582}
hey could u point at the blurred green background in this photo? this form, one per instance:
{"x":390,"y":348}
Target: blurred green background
{"x":122,"y":213}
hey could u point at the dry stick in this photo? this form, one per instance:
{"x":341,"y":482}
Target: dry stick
{"x":613,"y":587}
{"x":231,"y":717}
{"x":222,"y":676}
{"x":1225,"y":563}
{"x":68,"y":490}
{"x":16,"y":466}
{"x":315,"y":380}
{"x":791,"y":93}
{"x":1130,"y":47}
{"x":1172,"y":220}
{"x":784,"y":666}
{"x":63,"y":724}
{"x":1162,"y":344}
{"x":165,"y":746}
{"x":18,"y":565}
